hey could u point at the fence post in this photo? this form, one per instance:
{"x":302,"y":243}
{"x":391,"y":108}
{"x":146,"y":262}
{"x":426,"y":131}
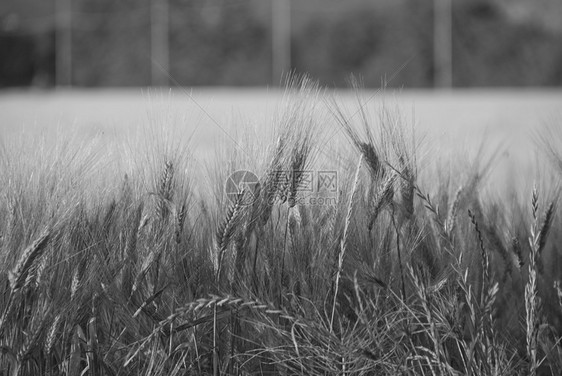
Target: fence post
{"x":63,"y":43}
{"x":281,"y":39}
{"x":159,"y":43}
{"x":442,"y":43}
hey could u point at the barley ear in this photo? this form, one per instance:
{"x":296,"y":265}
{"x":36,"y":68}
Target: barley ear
{"x":485,"y":260}
{"x":180,"y":220}
{"x":517,"y":252}
{"x":452,"y":214}
{"x":296,"y":176}
{"x":19,"y":274}
{"x":266,"y":195}
{"x":558,"y":287}
{"x":383,"y":198}
{"x":52,"y":335}
{"x":407,"y":182}
{"x":372,"y":159}
{"x":227,"y":229}
{"x":165,"y":190}
{"x":545,"y":228}
{"x":76,"y":282}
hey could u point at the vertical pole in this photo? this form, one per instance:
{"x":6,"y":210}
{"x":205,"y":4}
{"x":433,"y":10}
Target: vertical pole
{"x":281,"y":39}
{"x":159,"y":47}
{"x":443,"y":43}
{"x":63,"y":42}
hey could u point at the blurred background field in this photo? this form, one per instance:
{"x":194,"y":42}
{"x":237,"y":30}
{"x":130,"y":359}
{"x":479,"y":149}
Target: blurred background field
{"x":446,"y":123}
{"x":233,"y":56}
{"x":237,"y":53}
{"x":460,"y":43}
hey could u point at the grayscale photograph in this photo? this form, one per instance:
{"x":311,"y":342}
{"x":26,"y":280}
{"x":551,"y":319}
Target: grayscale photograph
{"x":281,"y":187}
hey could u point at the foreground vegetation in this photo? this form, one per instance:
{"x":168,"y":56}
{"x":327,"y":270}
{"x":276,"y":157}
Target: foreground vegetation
{"x":143,"y":268}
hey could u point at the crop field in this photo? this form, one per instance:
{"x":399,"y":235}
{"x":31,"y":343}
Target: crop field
{"x":267,"y":232}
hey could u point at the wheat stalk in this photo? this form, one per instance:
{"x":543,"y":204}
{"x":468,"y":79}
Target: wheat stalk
{"x":31,"y":338}
{"x":532,"y":300}
{"x":130,"y":255}
{"x":343,"y":243}
{"x":420,"y":285}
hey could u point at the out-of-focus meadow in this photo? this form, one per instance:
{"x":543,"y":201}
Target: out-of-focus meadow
{"x":446,"y":123}
{"x":463,"y":43}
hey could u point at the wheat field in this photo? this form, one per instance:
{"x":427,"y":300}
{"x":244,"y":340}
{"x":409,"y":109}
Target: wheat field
{"x":357,"y":243}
